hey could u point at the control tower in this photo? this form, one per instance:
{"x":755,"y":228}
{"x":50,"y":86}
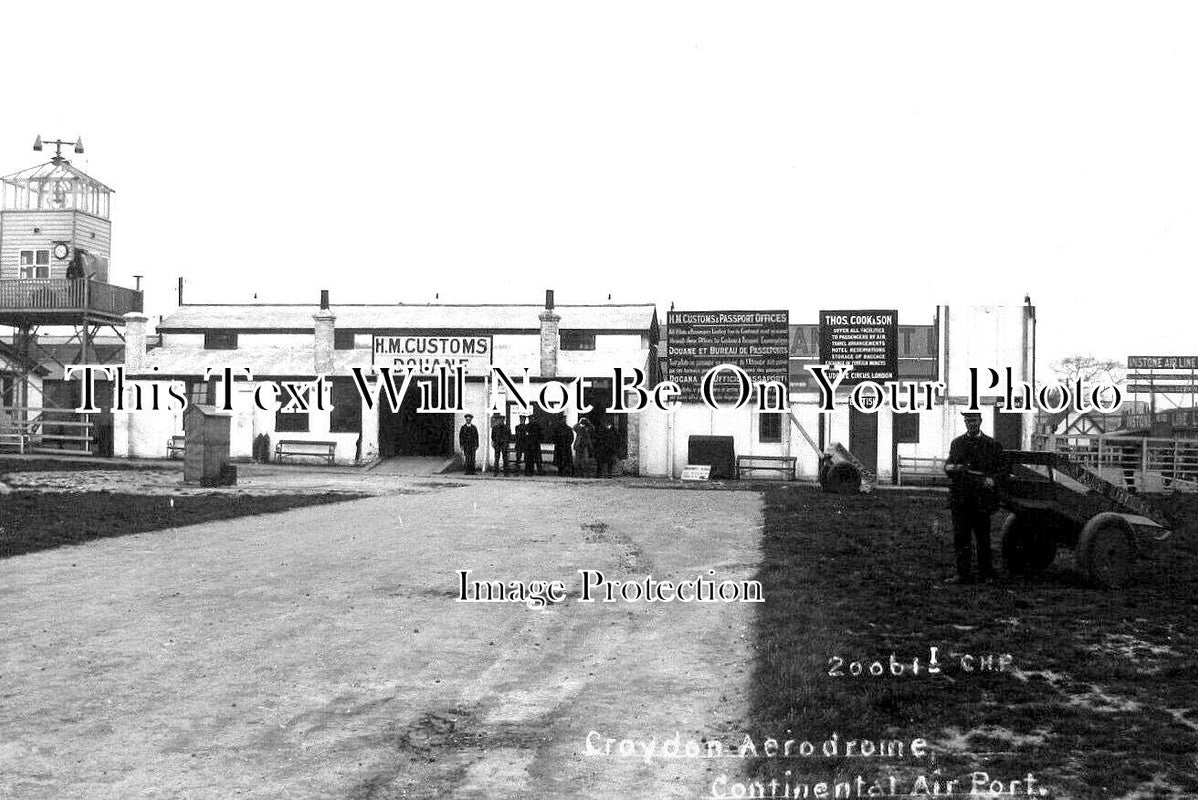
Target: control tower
{"x":55,"y":239}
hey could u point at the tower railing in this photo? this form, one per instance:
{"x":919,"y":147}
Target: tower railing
{"x":62,"y":294}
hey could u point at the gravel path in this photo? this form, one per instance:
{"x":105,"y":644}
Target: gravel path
{"x":320,"y":653}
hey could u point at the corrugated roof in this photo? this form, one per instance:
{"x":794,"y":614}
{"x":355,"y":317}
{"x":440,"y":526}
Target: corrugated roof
{"x":409,"y":317}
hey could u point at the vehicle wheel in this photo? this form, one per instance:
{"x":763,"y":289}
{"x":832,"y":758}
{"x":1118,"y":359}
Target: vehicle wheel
{"x":1027,"y":549}
{"x":842,"y":479}
{"x":1105,"y":549}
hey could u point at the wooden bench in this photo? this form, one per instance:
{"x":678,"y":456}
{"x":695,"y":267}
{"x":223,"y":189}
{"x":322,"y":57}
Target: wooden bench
{"x":783,"y":464}
{"x":176,"y":445}
{"x":305,"y":447}
{"x":920,"y":469}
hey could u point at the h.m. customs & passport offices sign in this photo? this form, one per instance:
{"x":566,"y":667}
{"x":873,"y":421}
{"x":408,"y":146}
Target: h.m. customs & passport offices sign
{"x":756,"y":341}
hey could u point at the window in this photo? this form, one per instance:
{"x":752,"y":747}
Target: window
{"x":343,"y":340}
{"x":35,"y":264}
{"x":201,"y":392}
{"x":290,"y":422}
{"x":220,"y":340}
{"x":906,"y":428}
{"x":578,"y":340}
{"x":346,"y":416}
{"x":769,"y":428}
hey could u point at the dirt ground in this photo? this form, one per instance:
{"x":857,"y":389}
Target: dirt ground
{"x":320,"y":653}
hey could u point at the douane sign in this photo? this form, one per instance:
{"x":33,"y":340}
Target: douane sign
{"x":756,"y":341}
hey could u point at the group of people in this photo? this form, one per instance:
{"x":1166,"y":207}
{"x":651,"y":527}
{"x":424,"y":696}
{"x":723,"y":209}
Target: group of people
{"x":575,"y":449}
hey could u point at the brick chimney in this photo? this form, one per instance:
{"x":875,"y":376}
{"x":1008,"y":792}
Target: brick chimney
{"x":549,"y":338}
{"x":135,"y":342}
{"x":323,"y":338}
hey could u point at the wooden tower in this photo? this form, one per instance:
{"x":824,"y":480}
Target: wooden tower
{"x":55,"y":236}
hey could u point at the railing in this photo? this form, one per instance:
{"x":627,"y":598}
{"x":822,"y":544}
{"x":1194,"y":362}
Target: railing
{"x":57,"y":430}
{"x":1151,"y":464}
{"x":58,"y":294}
{"x":925,"y":469}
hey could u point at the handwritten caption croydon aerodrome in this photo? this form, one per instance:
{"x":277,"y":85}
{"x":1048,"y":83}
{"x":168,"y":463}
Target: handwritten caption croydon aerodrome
{"x":445,"y":393}
{"x":927,"y":781}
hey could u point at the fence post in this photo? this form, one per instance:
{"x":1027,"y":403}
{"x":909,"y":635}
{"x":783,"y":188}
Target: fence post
{"x":1143,"y":462}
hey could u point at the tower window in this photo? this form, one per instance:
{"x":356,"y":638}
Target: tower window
{"x":343,"y":340}
{"x":35,"y":264}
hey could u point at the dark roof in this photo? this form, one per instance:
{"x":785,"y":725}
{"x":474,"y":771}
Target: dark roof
{"x":410,"y":317}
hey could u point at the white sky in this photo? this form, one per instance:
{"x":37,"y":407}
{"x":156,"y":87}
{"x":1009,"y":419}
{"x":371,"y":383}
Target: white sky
{"x":734,"y":155}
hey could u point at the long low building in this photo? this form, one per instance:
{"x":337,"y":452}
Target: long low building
{"x":296,"y":343}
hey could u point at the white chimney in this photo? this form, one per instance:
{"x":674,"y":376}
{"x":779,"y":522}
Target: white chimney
{"x":323,"y":338}
{"x":135,"y":342}
{"x":549,"y":337}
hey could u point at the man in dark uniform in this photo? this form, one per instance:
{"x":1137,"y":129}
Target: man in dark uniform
{"x":563,"y":446}
{"x":500,"y":437}
{"x":607,"y":442}
{"x":521,"y":440}
{"x":532,"y":448}
{"x":468,"y":439}
{"x":974,"y":463}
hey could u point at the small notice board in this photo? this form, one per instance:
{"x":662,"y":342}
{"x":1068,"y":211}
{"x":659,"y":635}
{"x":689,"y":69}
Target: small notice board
{"x":696,"y":472}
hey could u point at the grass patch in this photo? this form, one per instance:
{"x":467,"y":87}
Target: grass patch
{"x":11,"y":464}
{"x":32,"y":521}
{"x":1091,"y":710}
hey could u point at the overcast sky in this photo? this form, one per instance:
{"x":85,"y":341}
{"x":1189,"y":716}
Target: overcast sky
{"x":717,"y":156}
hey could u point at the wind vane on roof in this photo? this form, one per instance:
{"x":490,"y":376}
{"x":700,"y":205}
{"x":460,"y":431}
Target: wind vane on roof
{"x":38,"y":144}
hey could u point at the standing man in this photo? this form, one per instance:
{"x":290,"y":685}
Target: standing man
{"x":606,"y":443}
{"x":468,"y":439}
{"x":532,"y":445}
{"x":521,"y":439}
{"x":582,"y":445}
{"x":563,"y":447}
{"x":974,"y":464}
{"x":500,"y":437}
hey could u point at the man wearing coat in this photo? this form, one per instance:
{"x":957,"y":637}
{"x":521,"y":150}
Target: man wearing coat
{"x":607,"y":442}
{"x":468,"y":439}
{"x":500,"y":437}
{"x":975,"y":462}
{"x":532,"y":448}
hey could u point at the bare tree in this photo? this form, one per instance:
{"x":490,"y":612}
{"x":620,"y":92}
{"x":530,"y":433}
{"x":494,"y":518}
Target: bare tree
{"x":1094,"y":371}
{"x":1090,"y":369}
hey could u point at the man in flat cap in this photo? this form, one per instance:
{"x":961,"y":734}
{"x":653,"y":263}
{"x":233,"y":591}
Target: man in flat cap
{"x":975,"y":462}
{"x":468,"y":439}
{"x":501,"y":436}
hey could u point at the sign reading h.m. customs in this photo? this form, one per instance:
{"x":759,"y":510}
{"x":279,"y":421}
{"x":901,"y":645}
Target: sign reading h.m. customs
{"x":425,"y":354}
{"x":756,"y":341}
{"x":866,"y":339}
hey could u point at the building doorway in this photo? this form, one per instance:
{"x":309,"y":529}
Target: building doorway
{"x":1008,"y":430}
{"x":409,"y":432}
{"x":863,"y":437}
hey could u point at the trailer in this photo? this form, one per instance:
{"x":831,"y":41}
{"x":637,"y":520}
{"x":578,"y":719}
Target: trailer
{"x":1054,"y":502}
